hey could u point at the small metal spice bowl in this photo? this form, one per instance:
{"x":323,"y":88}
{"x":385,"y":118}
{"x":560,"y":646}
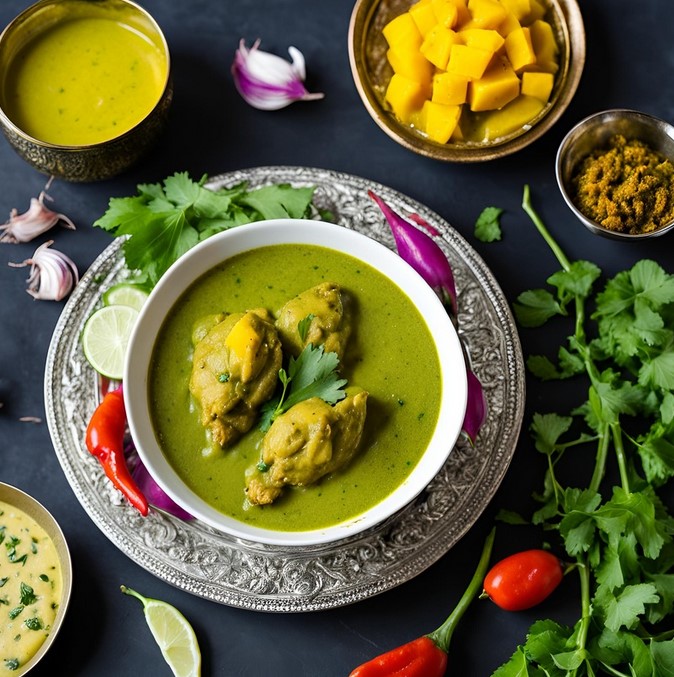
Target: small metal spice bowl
{"x":80,"y":156}
{"x":593,"y":133}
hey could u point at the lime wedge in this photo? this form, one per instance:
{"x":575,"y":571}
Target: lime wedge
{"x":105,"y":337}
{"x":173,"y":633}
{"x":125,"y":294}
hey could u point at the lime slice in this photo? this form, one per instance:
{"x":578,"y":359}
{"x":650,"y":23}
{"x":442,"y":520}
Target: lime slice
{"x":105,"y":337}
{"x":173,"y":633}
{"x":125,"y":294}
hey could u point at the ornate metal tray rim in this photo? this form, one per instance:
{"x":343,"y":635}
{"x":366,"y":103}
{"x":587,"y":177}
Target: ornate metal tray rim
{"x":193,"y":556}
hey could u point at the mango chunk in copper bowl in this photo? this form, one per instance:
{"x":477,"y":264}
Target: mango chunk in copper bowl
{"x":294,"y":382}
{"x":466,"y":80}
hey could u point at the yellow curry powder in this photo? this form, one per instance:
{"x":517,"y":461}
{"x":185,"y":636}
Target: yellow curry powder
{"x":626,"y":187}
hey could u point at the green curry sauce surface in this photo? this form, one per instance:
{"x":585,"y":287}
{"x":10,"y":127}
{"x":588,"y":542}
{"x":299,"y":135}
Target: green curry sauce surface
{"x":390,"y":354}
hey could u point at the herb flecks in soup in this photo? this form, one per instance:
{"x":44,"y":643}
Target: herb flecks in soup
{"x":30,"y":588}
{"x":390,"y":353}
{"x":83,"y":81}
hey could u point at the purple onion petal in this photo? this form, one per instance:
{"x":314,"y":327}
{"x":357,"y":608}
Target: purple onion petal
{"x":425,"y":256}
{"x":476,"y":408}
{"x":422,"y":253}
{"x":419,"y":220}
{"x":155,"y":495}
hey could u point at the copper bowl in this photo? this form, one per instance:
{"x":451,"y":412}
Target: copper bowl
{"x":96,"y":161}
{"x":371,"y":73}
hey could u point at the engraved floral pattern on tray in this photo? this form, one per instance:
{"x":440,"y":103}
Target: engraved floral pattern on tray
{"x":205,"y":562}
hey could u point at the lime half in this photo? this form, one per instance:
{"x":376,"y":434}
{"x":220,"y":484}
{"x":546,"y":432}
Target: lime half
{"x":173,"y":633}
{"x":125,"y":294}
{"x":105,"y":337}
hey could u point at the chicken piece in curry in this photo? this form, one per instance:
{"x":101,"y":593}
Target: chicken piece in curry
{"x":234,"y":371}
{"x":330,"y":313}
{"x":309,"y":441}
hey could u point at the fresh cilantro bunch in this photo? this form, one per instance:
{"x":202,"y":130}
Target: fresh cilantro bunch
{"x":165,"y":220}
{"x":619,"y":537}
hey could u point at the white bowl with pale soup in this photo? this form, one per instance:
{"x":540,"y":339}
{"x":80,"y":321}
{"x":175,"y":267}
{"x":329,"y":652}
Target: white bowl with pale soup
{"x":314,"y":301}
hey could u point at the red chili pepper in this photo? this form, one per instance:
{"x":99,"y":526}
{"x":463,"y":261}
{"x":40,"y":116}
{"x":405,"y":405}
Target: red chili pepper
{"x":523,"y":580}
{"x":427,"y":655}
{"x":105,"y":441}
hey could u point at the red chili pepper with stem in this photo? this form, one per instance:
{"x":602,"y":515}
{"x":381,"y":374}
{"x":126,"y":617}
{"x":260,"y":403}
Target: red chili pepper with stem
{"x":105,"y":441}
{"x":427,"y":655}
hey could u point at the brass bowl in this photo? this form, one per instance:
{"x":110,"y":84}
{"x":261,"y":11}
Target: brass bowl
{"x":96,"y":161}
{"x":35,"y":510}
{"x":371,"y":73}
{"x":593,"y":133}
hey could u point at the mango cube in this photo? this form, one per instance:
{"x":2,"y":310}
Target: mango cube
{"x":496,"y":88}
{"x":405,"y":96}
{"x":463,"y":16}
{"x":450,"y":89}
{"x":538,"y":85}
{"x":402,"y":32}
{"x":446,"y":12}
{"x":470,"y":62}
{"x":424,"y":17}
{"x":439,"y":120}
{"x":519,"y":49}
{"x":243,"y":339}
{"x":537,"y":11}
{"x":545,"y":45}
{"x":482,"y":38}
{"x":512,"y":117}
{"x":508,"y":25}
{"x":438,"y":44}
{"x":486,"y":13}
{"x":411,"y":63}
{"x":519,"y":8}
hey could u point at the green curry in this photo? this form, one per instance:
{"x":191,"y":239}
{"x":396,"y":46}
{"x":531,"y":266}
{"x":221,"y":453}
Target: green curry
{"x":390,"y":354}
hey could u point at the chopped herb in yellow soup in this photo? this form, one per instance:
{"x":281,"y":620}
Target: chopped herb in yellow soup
{"x":30,"y":588}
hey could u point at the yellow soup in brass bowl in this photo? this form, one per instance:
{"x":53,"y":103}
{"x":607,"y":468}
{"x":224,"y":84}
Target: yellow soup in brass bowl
{"x":84,"y":79}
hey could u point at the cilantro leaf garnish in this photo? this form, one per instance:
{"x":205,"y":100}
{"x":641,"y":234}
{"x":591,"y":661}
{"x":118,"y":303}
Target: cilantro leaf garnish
{"x":163,"y":221}
{"x":303,"y":326}
{"x":488,"y":226}
{"x":312,"y":374}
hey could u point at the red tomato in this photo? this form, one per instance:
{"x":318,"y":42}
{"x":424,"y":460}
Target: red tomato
{"x":523,"y":580}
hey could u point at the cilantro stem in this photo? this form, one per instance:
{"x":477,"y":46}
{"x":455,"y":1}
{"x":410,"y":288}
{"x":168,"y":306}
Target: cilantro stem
{"x":600,"y":462}
{"x":528,"y":208}
{"x":586,"y":610}
{"x":620,"y":455}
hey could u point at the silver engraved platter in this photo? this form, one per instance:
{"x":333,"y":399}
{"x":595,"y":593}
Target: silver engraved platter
{"x":196,"y":558}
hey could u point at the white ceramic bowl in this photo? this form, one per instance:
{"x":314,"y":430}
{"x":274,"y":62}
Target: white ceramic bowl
{"x":214,"y":251}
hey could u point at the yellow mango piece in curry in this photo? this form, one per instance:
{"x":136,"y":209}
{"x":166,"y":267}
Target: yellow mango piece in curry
{"x":234,"y":371}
